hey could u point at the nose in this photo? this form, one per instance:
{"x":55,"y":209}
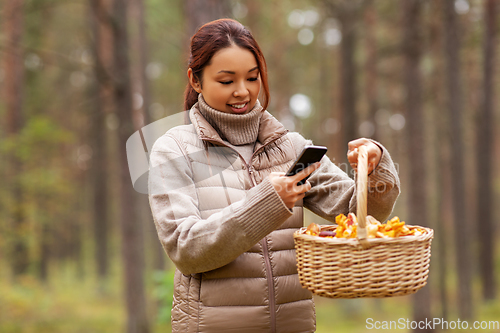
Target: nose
{"x":241,"y":90}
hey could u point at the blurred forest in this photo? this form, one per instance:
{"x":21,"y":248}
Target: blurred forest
{"x":78,"y":247}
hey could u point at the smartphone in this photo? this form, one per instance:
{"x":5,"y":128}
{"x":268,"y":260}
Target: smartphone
{"x":308,"y":156}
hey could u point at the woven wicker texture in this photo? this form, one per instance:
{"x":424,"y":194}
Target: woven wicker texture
{"x":360,"y":267}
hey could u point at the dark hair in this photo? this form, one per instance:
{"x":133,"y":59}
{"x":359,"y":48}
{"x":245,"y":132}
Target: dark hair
{"x":217,"y":35}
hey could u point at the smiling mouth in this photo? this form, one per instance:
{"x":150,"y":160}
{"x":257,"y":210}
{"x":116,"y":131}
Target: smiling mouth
{"x":238,"y":106}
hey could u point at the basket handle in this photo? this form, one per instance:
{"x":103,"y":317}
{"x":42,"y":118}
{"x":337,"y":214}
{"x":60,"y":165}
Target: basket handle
{"x":362,"y":194}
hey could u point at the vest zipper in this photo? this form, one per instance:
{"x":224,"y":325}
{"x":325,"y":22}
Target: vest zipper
{"x":265,"y":250}
{"x":270,"y":285}
{"x":250,"y":174}
{"x":269,"y":272}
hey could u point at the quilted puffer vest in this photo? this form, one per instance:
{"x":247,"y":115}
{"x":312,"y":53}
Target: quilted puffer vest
{"x":260,"y":290}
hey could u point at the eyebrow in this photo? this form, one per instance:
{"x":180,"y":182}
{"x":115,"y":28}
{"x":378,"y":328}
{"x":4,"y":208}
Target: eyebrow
{"x":231,"y":72}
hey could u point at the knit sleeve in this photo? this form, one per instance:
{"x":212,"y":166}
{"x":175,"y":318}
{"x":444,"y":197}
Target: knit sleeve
{"x":195,"y":244}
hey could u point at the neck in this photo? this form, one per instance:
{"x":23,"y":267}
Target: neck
{"x":237,"y":129}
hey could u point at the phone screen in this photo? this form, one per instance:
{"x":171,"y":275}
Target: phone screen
{"x":308,"y":156}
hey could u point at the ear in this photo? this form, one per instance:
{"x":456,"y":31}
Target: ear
{"x":193,"y":81}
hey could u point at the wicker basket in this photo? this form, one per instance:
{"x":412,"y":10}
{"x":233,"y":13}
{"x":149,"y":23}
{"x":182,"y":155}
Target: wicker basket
{"x":362,"y":267}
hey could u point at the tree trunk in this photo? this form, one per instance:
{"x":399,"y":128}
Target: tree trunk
{"x":346,"y":11}
{"x":76,"y":245}
{"x":131,"y":228}
{"x":140,"y":88}
{"x":100,"y":27}
{"x":412,"y":46}
{"x":199,"y":12}
{"x":439,"y":165}
{"x":348,"y":73}
{"x":43,"y":264}
{"x":455,"y":114}
{"x":371,"y":63}
{"x":13,"y":18}
{"x":140,"y":60}
{"x":485,"y":153}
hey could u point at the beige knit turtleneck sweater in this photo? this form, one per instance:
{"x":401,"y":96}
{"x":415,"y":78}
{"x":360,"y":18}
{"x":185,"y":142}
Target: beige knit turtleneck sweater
{"x":237,"y":129}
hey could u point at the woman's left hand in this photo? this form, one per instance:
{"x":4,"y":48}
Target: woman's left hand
{"x":374,"y":153}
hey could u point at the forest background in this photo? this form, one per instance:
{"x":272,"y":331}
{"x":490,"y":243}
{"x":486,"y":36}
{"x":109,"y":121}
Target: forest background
{"x":78,"y":247}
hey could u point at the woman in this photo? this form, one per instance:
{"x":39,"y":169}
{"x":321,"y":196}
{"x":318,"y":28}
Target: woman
{"x":224,"y":210}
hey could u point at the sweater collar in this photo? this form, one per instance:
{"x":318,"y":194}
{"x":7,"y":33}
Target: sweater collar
{"x":269,"y":128}
{"x":237,"y":129}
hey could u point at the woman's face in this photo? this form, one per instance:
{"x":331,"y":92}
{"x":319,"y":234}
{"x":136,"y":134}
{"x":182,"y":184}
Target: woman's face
{"x":231,"y":82}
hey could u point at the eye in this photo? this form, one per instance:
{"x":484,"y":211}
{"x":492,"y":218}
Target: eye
{"x":253,"y":79}
{"x":226,"y":82}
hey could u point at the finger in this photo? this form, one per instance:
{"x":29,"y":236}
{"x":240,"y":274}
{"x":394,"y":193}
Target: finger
{"x":306,"y":187}
{"x":372,"y":149}
{"x":372,"y":161}
{"x":356,"y":143}
{"x":306,"y":172}
{"x":374,"y":155}
{"x":302,"y":188}
{"x":352,"y":157}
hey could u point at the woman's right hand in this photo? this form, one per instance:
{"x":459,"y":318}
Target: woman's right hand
{"x":287,"y":188}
